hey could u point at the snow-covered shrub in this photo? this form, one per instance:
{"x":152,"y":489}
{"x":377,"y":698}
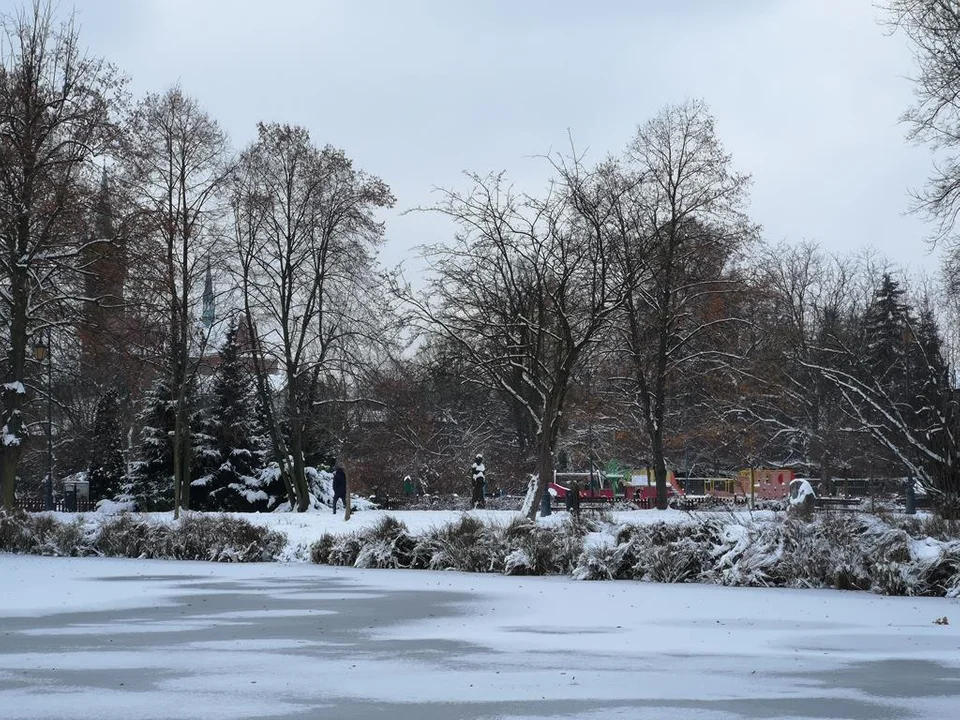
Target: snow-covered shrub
{"x":891,"y":578}
{"x":194,"y":537}
{"x":126,"y":536}
{"x":851,"y":551}
{"x":934,"y":526}
{"x":890,"y":562}
{"x":467,"y":544}
{"x":425,"y":548}
{"x":386,"y":545}
{"x":828,"y":552}
{"x":517,"y":562}
{"x":223,"y":539}
{"x":953,"y":587}
{"x":683,"y":560}
{"x":748,"y":554}
{"x":16,"y":532}
{"x":939,"y":575}
{"x":320,"y":550}
{"x":516,"y":538}
{"x":344,"y":550}
{"x":537,"y":550}
{"x":387,"y":528}
{"x":21,"y":532}
{"x":605,"y":561}
{"x":584,"y":524}
{"x":677,"y":552}
{"x":68,"y":539}
{"x":660,"y":552}
{"x":518,"y":528}
{"x":620,"y":560}
{"x":377,"y":554}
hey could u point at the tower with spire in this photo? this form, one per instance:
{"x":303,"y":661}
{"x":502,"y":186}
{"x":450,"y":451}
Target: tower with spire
{"x":105,"y":267}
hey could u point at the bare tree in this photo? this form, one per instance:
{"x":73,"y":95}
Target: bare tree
{"x":306,"y":233}
{"x":933,"y":28}
{"x":688,"y":225}
{"x":801,"y":295}
{"x":426,"y":423}
{"x":524,"y":291}
{"x":175,"y":162}
{"x":56,"y":106}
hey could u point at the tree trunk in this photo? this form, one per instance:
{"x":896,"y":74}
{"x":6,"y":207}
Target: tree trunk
{"x":176,"y":467}
{"x":186,"y":453}
{"x":826,"y":474}
{"x":546,"y":440}
{"x":13,"y":399}
{"x":300,"y":485}
{"x":538,"y":484}
{"x":659,"y":468}
{"x":8,"y":476}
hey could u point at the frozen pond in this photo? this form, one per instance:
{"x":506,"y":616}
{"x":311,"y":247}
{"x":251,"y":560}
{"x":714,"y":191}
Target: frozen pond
{"x":109,"y":638}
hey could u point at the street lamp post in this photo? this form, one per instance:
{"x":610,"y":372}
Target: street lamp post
{"x":42,"y":352}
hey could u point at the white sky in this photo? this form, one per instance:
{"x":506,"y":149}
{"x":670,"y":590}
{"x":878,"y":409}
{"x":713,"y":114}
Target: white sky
{"x":807,"y":93}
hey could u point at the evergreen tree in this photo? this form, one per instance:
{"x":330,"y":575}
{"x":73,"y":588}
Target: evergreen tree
{"x":230,"y":454}
{"x":107,"y":466}
{"x":150,"y":483}
{"x":887,"y":329}
{"x":904,"y":352}
{"x":930,"y":375}
{"x":927,"y":358}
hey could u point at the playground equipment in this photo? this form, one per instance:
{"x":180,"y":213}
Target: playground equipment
{"x":768,"y":483}
{"x":614,"y":482}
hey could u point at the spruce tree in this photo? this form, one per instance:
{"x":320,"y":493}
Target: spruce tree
{"x":107,"y":466}
{"x":887,"y":329}
{"x":929,"y":376}
{"x":150,"y":483}
{"x":231,"y":453}
{"x":903,"y":351}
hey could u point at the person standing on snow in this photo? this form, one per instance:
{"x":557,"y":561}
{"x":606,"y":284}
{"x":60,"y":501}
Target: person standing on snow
{"x":479,"y":482}
{"x":339,"y":487}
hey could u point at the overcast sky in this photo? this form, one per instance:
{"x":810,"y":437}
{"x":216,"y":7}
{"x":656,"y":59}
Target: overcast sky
{"x":806,"y":93}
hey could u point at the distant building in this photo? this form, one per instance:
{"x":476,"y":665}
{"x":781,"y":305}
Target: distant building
{"x":216,"y":334}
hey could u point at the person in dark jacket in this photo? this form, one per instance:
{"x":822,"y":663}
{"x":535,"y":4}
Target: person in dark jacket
{"x":339,"y":487}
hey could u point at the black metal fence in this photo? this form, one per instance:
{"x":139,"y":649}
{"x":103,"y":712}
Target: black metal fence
{"x":67,"y":503}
